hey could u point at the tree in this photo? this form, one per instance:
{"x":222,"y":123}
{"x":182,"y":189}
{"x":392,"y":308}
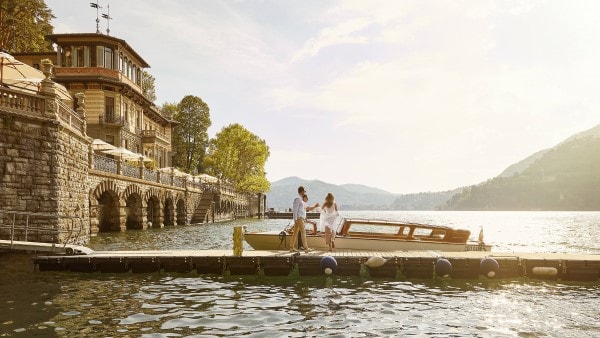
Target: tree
{"x":238,"y":156}
{"x":148,"y":86}
{"x":190,"y":137}
{"x":24,"y":25}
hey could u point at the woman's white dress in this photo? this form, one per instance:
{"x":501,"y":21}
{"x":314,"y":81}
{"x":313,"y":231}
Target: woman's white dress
{"x":328,"y":218}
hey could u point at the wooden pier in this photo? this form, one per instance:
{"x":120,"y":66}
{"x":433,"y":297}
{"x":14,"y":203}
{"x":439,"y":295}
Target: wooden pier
{"x":68,"y":249}
{"x":387,"y":264}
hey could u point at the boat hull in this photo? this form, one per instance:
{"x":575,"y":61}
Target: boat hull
{"x":273,"y":240}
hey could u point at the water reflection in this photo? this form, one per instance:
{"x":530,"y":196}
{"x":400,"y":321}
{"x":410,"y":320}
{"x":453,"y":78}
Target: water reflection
{"x":161,"y":305}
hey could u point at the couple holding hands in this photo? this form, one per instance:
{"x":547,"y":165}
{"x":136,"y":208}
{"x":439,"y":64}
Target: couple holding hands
{"x":329,"y":213}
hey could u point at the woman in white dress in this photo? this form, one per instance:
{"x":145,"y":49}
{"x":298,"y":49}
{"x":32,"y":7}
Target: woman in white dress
{"x":329,"y":214}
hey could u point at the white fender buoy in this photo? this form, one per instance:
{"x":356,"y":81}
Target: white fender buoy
{"x":375,"y":262}
{"x":544,"y":271}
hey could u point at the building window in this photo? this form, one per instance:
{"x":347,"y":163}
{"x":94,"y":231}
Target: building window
{"x":79,"y":56}
{"x":104,"y":57}
{"x":108,"y":58}
{"x":109,"y":108}
{"x":67,"y":56}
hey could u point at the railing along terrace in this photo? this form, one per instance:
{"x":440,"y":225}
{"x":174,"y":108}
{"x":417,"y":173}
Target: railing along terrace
{"x":165,"y":179}
{"x":150,"y":175}
{"x":104,"y":163}
{"x":18,"y":100}
{"x":179,"y":182}
{"x":131,"y":171}
{"x":69,"y":116}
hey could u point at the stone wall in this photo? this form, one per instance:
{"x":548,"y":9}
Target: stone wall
{"x":42,"y":175}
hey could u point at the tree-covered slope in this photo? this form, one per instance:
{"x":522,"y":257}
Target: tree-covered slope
{"x":566,"y":177}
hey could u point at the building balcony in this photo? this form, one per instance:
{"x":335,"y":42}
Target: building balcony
{"x":111,"y":120}
{"x":151,"y":136}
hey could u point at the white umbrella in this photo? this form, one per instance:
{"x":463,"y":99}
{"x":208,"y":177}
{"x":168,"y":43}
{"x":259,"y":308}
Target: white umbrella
{"x":11,"y":68}
{"x":175,"y":171}
{"x":124,"y":153}
{"x":17,"y":74}
{"x":98,"y":144}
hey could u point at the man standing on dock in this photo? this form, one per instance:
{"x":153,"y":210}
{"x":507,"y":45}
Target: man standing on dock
{"x":299,"y":215}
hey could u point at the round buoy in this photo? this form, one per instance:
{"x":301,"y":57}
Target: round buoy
{"x":443,"y":267}
{"x":375,"y":262}
{"x":489,"y":267}
{"x":328,"y":264}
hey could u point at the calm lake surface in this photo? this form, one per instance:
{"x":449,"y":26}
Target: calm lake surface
{"x":59,"y":304}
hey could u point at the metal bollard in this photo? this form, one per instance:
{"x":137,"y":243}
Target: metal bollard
{"x":238,"y":245}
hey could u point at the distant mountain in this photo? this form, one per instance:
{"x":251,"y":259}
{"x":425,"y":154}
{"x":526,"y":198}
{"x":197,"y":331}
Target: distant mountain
{"x":350,"y":196}
{"x":423,"y":200}
{"x":565,"y":177}
{"x":527,"y":162}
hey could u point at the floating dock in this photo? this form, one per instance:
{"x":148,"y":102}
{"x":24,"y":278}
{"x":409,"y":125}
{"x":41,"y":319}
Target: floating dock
{"x":386,"y":264}
{"x":67,"y":249}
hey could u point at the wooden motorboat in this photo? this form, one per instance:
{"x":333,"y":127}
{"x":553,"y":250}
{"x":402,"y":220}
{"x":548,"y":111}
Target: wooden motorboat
{"x":380,"y":235}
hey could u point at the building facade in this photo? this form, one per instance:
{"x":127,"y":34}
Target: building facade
{"x":110,"y":74}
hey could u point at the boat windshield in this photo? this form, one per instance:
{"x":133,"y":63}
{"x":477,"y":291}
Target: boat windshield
{"x":407,"y":230}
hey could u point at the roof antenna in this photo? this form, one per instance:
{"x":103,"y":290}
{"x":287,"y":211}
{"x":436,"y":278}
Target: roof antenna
{"x":97,"y":7}
{"x":108,"y":18}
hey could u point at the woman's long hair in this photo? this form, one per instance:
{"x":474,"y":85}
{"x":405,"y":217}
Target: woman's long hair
{"x":328,"y":201}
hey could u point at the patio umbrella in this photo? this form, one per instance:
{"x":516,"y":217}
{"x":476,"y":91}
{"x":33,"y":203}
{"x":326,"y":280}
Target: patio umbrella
{"x":11,"y":68}
{"x":175,"y":171}
{"x":17,"y":74}
{"x":123,"y":153}
{"x":98,"y":144}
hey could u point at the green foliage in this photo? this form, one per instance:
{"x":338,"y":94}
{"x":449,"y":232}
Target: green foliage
{"x":24,"y":25}
{"x":565,"y":178}
{"x":238,"y":156}
{"x":148,"y":86}
{"x":190,"y":137}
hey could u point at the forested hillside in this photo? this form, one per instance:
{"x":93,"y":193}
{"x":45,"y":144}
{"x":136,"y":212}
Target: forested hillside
{"x":566,"y":177}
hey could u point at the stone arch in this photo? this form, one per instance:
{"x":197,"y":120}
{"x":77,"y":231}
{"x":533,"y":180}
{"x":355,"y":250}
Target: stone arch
{"x":134,"y":207}
{"x":181,"y":212}
{"x":168,"y":209}
{"x":106,"y":206}
{"x":153,"y":207}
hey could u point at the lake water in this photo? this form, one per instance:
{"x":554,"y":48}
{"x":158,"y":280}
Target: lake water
{"x":189,"y":305}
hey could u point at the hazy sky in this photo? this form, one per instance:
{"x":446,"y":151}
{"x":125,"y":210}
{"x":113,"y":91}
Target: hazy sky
{"x":406,"y":96}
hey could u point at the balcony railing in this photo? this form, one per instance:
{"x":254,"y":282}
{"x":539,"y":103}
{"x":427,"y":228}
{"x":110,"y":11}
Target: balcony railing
{"x":114,"y":120}
{"x":150,"y":136}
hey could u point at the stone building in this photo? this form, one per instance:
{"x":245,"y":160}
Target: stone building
{"x":109,"y":72}
{"x":56,"y":187}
